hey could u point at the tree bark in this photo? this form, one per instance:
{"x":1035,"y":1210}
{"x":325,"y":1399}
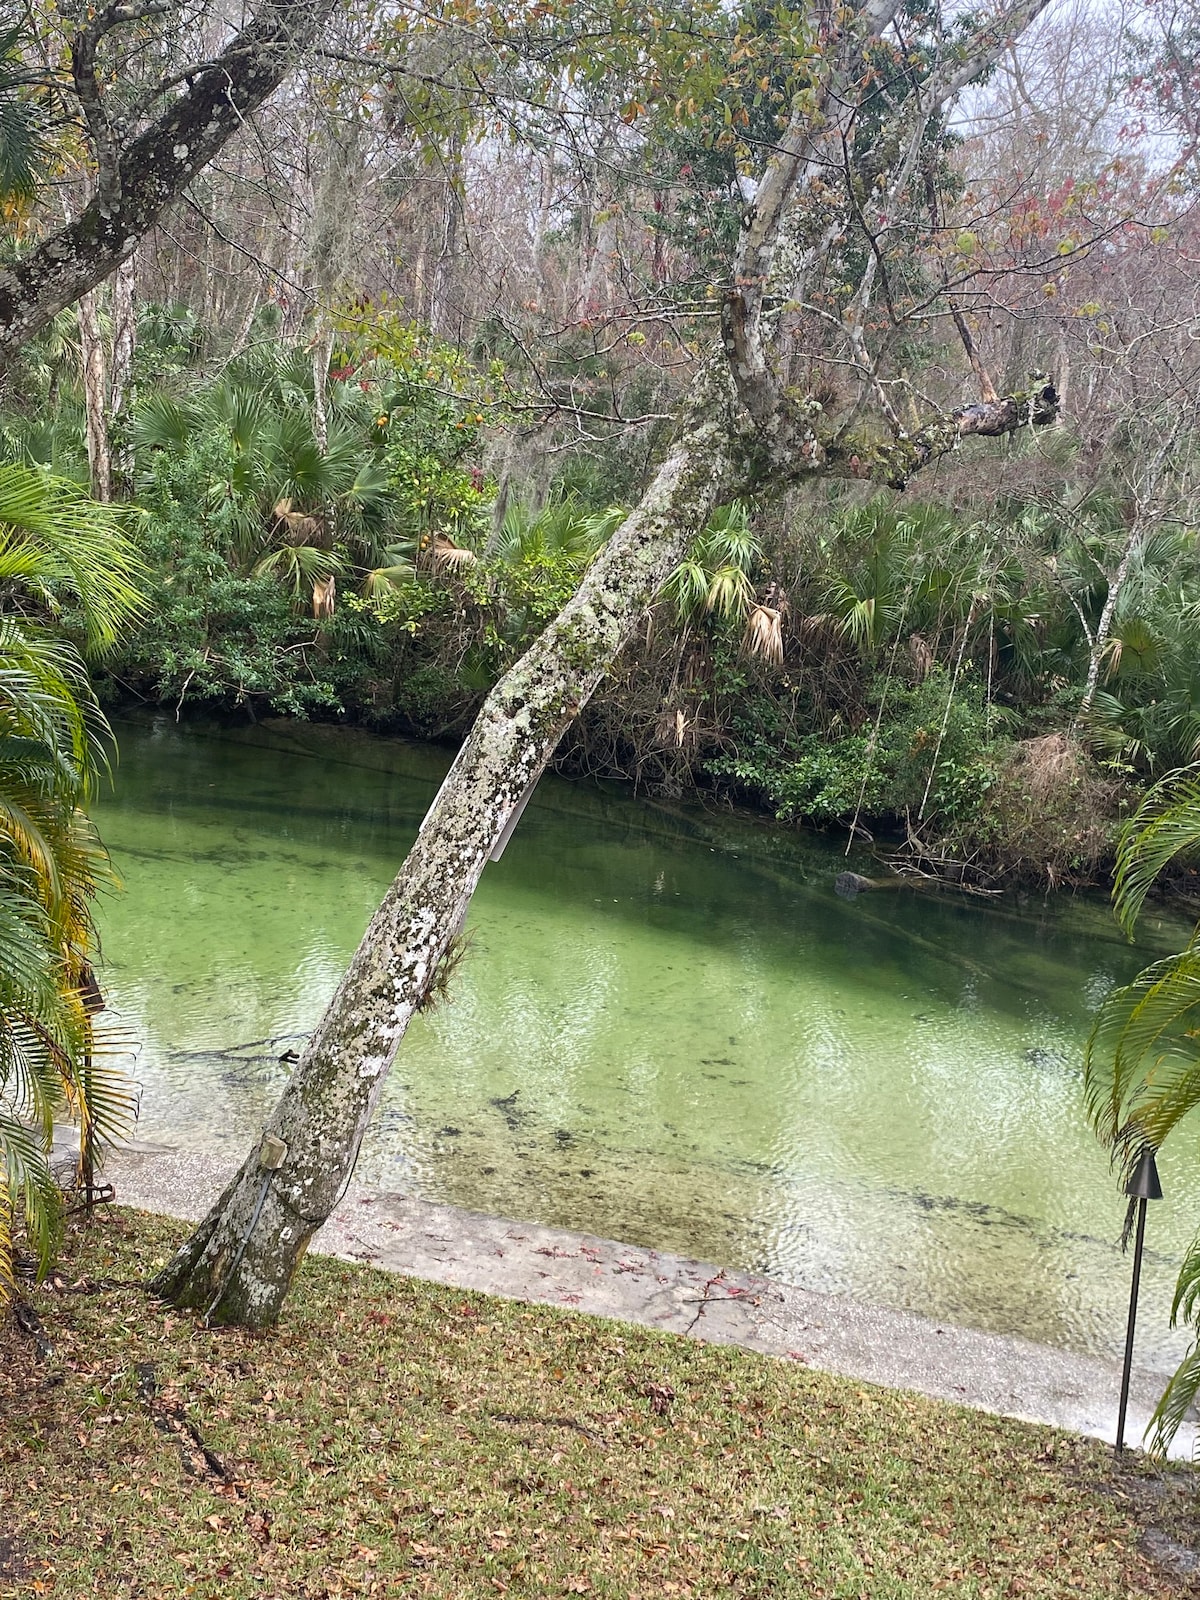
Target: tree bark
{"x":322,"y":351}
{"x":1098,"y":642}
{"x":137,"y":182}
{"x":124,"y":342}
{"x":265,"y":1220}
{"x":124,"y":335}
{"x":95,"y":396}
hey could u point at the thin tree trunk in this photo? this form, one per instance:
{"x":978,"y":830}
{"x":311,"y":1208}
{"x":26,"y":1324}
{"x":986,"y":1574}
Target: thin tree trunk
{"x":1098,"y":644}
{"x":242,"y":337}
{"x":238,"y":1265}
{"x":445,"y":268}
{"x":95,"y":395}
{"x":322,"y":352}
{"x":124,"y":342}
{"x":597,"y":286}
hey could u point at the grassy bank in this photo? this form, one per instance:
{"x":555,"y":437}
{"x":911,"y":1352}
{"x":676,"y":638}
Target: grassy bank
{"x":395,"y":1438}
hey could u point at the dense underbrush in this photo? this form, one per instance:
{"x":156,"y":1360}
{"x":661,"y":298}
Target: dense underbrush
{"x":983,"y":684}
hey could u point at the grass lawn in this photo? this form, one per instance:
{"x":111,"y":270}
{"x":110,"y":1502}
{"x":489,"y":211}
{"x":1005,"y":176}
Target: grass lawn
{"x":399,"y":1438}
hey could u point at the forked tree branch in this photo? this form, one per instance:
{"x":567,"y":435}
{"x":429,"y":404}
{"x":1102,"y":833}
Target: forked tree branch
{"x":796,"y":195}
{"x":137,"y":182}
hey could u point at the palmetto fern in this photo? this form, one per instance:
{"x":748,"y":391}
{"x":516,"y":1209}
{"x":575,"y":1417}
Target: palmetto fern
{"x":1142,"y":1069}
{"x":560,"y":528}
{"x":300,"y":567}
{"x":894,"y":567}
{"x":267,"y":453}
{"x":714,"y":578}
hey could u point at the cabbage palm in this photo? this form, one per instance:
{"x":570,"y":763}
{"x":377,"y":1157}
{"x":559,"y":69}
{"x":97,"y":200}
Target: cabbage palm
{"x":1143,"y":1056}
{"x":62,"y":562}
{"x":562,"y":528}
{"x":714,"y":579}
{"x":258,"y":448}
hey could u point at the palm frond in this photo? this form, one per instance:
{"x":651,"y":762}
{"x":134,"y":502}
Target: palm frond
{"x":1142,"y":1061}
{"x":1166,"y":824}
{"x":1180,"y":1394}
{"x":83,"y":548}
{"x":299,"y":566}
{"x":26,"y":1185}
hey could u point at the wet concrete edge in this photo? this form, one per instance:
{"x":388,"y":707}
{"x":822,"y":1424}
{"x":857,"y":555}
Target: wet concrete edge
{"x":999,"y":1373}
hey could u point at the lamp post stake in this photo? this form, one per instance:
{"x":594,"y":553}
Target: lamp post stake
{"x":1142,"y":1186}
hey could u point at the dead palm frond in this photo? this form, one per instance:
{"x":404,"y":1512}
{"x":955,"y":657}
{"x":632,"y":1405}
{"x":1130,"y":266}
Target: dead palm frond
{"x":764,"y":634}
{"x":447,"y":556}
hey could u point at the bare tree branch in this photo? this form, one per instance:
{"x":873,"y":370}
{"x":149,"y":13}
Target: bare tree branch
{"x":138,"y":182}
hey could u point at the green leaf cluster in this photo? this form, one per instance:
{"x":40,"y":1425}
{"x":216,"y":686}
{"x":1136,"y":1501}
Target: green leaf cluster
{"x":64,"y":564}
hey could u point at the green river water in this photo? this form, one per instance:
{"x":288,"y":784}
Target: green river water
{"x":669,"y":1030}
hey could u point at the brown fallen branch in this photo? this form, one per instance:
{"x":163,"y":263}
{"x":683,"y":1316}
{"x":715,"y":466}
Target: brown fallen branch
{"x":520,"y":1417}
{"x":169,"y":1418}
{"x":849,"y":885}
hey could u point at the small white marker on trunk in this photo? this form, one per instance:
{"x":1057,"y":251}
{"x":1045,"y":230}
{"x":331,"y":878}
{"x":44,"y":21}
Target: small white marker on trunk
{"x":514,"y":817}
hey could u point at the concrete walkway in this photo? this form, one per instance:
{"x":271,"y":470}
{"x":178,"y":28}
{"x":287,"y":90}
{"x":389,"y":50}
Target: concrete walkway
{"x":993,"y":1372}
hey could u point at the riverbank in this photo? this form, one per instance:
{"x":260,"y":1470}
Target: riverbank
{"x":446,"y":1244}
{"x":1051,"y":822}
{"x":400,"y":1437}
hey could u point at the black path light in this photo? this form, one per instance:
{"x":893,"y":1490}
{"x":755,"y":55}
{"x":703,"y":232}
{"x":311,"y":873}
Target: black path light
{"x":1142,"y":1186}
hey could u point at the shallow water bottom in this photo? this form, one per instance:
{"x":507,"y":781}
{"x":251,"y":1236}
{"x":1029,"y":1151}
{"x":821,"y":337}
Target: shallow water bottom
{"x":669,"y":1030}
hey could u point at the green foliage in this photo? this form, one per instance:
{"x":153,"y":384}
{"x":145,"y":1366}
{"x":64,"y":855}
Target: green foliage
{"x":882,"y":767}
{"x":1165,"y":826}
{"x":247,"y":520}
{"x":714,"y":579}
{"x":1142,"y":1076}
{"x":462,"y":619}
{"x":211,"y":631}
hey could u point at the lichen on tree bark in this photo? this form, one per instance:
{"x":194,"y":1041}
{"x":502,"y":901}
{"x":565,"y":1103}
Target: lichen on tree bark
{"x":327,"y":1105}
{"x":736,"y":429}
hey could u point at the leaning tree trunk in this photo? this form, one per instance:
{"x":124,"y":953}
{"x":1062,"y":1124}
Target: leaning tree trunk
{"x":138,"y":180}
{"x":238,"y":1265}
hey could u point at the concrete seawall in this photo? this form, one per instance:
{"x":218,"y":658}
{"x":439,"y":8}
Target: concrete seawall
{"x":993,"y":1372}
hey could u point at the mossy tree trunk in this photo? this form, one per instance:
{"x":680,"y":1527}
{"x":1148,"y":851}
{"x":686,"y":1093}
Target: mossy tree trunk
{"x":325,"y":1109}
{"x":739,"y":429}
{"x":138,"y":177}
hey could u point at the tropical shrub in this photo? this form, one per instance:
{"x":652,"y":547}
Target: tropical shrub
{"x":66,"y":570}
{"x":1142,"y":1078}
